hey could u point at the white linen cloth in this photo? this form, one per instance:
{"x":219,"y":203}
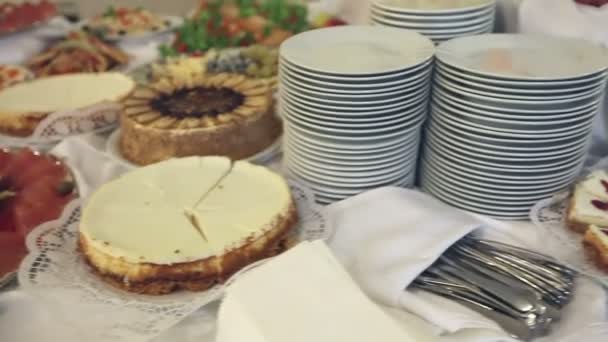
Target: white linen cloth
{"x":386,"y":237}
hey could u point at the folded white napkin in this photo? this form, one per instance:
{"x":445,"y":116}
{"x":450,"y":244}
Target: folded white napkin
{"x":386,"y":237}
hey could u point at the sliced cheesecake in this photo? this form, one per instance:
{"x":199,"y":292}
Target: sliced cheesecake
{"x":25,"y":105}
{"x":185,"y":223}
{"x":589,"y":203}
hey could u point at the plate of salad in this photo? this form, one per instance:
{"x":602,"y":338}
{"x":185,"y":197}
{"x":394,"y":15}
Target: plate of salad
{"x":221,"y":24}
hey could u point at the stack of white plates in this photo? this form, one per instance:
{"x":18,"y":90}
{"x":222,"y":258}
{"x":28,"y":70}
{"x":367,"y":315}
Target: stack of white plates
{"x":511,"y":119}
{"x":439,"y":20}
{"x":353,"y":99}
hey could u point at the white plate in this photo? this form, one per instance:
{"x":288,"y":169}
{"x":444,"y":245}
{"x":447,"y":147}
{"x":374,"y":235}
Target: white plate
{"x":451,"y":122}
{"x":435,"y":17}
{"x":263,"y":157}
{"x":436,"y":29}
{"x":502,"y":150}
{"x":354,"y":160}
{"x":519,"y":132}
{"x":447,"y":102}
{"x":537,"y":85}
{"x":497,"y":86}
{"x":335,"y":118}
{"x":438,"y":92}
{"x":327,"y":93}
{"x":524,"y":169}
{"x":443,"y":21}
{"x":400,"y":97}
{"x":524,"y":57}
{"x":455,"y":188}
{"x":449,"y":82}
{"x":549,"y":176}
{"x":138,"y":37}
{"x":370,"y":50}
{"x":339,"y":182}
{"x":482,"y":187}
{"x":433,"y":7}
{"x":551,"y":105}
{"x":422,"y":95}
{"x":469,"y":149}
{"x":363,"y":79}
{"x":354,"y":146}
{"x":354,"y":85}
{"x":487,"y":181}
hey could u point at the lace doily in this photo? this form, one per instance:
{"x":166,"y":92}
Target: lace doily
{"x":59,"y":125}
{"x":58,"y":275}
{"x":566,"y":245}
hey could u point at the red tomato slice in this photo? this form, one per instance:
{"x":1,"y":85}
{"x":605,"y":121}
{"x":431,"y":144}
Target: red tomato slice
{"x":12,"y":252}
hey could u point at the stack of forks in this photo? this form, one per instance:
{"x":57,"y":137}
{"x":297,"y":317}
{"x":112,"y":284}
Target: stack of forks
{"x":523,"y":291}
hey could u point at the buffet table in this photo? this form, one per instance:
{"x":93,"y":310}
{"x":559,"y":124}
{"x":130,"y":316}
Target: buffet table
{"x":348,"y":222}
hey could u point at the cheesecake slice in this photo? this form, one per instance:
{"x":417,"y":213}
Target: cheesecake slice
{"x":596,"y":245}
{"x":185,"y":223}
{"x":25,"y":105}
{"x":589,"y":203}
{"x":304,"y":295}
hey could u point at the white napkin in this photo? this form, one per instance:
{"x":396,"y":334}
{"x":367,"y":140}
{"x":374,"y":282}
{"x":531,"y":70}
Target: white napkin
{"x":386,"y":237}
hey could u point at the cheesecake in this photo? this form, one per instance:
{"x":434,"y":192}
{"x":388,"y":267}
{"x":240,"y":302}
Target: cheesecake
{"x":596,"y":245}
{"x":219,"y":115}
{"x":589,"y":203}
{"x":303,"y":295}
{"x":25,"y":105}
{"x":187,"y":223}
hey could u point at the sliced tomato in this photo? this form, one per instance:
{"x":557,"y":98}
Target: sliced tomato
{"x":21,"y":160}
{"x":12,"y":252}
{"x":43,"y":166}
{"x":38,"y":203}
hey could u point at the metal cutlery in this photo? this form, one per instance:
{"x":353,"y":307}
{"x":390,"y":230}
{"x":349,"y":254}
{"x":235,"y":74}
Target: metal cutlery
{"x":521,"y":290}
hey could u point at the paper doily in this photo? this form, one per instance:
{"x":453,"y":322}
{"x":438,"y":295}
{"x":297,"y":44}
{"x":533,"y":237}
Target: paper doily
{"x":550,"y":216}
{"x":59,"y":125}
{"x":56,"y":273}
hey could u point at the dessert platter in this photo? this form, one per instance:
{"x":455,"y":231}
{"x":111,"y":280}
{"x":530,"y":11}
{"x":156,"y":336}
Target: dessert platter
{"x":159,"y":246}
{"x":22,"y":17}
{"x":154,"y":197}
{"x":125,"y":23}
{"x":577,"y":218}
{"x":34,"y":189}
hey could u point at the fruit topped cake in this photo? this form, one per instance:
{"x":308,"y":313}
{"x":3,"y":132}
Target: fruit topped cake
{"x":34,"y":189}
{"x":223,"y":115}
{"x":589,"y":203}
{"x":186,"y":223}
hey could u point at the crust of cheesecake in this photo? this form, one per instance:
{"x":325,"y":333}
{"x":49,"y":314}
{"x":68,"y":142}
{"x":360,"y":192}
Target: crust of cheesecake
{"x":238,"y":139}
{"x":572,"y":222}
{"x":596,"y":250}
{"x":198,"y":275}
{"x":20,"y":125}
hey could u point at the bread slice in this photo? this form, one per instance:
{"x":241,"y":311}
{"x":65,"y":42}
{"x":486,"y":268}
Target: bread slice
{"x":24,"y":106}
{"x":589,"y":203}
{"x":596,"y":245}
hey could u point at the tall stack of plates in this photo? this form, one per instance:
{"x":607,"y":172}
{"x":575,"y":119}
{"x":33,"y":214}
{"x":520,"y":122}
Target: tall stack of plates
{"x":439,"y":20}
{"x":353,"y":99}
{"x":511,"y":119}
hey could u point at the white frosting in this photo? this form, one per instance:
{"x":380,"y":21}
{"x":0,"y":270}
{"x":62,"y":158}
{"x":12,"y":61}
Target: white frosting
{"x":65,"y":92}
{"x":584,"y":211}
{"x":593,"y":184}
{"x":147,"y":215}
{"x":303,"y":295}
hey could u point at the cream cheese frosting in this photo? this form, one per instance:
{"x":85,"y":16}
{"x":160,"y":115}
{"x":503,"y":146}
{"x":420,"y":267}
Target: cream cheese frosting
{"x":184,"y":210}
{"x":64,"y":92}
